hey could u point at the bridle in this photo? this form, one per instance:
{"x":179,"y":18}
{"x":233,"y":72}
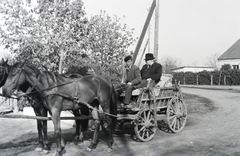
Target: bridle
{"x":30,"y":89}
{"x":18,"y":76}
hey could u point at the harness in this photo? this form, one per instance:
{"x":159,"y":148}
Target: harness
{"x":75,"y":99}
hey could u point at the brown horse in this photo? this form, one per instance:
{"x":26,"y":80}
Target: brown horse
{"x":39,"y":110}
{"x":60,"y":93}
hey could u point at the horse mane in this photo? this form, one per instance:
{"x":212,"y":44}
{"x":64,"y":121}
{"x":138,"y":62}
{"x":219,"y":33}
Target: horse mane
{"x":31,"y":66}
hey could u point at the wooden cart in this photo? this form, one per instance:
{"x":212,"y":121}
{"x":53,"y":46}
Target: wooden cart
{"x":152,"y":105}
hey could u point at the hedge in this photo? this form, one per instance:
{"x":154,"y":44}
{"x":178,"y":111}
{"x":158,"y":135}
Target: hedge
{"x":225,"y":77}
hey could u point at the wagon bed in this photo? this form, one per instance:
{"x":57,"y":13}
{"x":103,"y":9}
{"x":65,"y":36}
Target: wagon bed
{"x":151,"y":103}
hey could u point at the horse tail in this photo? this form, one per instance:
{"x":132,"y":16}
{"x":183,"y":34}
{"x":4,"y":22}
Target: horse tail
{"x":84,"y":123}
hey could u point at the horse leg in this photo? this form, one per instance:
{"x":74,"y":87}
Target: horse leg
{"x":39,"y":148}
{"x":110,"y":134}
{"x":83,"y":123}
{"x":46,"y":146}
{"x":57,"y":131}
{"x":77,"y":130}
{"x":94,"y":142}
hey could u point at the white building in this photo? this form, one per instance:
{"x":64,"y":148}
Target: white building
{"x":231,"y":56}
{"x":194,"y":69}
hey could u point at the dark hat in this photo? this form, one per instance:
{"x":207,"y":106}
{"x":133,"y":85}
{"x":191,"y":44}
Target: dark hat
{"x":149,"y":56}
{"x":127,"y":58}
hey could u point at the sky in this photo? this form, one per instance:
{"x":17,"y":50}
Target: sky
{"x":190,"y":31}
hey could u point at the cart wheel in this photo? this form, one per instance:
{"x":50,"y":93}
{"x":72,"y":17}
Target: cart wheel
{"x":144,"y":125}
{"x":176,"y":114}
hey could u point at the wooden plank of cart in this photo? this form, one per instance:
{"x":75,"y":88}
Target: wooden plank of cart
{"x":151,"y":103}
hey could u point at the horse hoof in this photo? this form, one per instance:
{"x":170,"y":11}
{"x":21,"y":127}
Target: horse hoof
{"x":56,"y":154}
{"x":89,"y":149}
{"x":38,"y":149}
{"x":60,"y":153}
{"x":109,"y":150}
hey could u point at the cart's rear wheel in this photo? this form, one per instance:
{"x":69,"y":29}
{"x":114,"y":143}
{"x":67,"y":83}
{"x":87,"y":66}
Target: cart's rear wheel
{"x":144,"y":125}
{"x":176,"y":114}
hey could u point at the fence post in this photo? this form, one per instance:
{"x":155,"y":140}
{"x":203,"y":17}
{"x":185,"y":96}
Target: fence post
{"x":211,"y":79}
{"x":184,"y":79}
{"x":219,"y":82}
{"x":224,"y":80}
{"x":197,"y":79}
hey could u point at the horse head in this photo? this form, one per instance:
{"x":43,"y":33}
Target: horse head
{"x":4,"y":69}
{"x":16,"y":77}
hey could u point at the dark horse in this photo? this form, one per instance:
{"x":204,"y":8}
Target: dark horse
{"x":37,"y":105}
{"x":60,"y":93}
{"x":36,"y":102}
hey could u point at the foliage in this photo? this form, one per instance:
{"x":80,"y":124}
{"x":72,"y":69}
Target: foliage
{"x":204,"y":78}
{"x":44,"y":33}
{"x":57,"y":35}
{"x":179,"y":77}
{"x":225,"y":67}
{"x":225,"y":77}
{"x":109,"y":41}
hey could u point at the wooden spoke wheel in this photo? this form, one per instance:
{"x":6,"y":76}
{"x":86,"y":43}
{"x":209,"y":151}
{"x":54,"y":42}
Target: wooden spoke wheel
{"x":145,"y":125}
{"x":176,"y":114}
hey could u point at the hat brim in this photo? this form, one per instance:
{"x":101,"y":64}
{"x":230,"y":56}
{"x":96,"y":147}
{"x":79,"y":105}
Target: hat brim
{"x":149,"y":58}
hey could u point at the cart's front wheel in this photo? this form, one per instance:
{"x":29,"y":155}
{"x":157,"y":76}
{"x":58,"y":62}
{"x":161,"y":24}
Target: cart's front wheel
{"x":144,"y":125}
{"x":176,"y":114}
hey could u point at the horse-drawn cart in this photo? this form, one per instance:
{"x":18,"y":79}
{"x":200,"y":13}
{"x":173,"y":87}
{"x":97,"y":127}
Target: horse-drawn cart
{"x":153,"y":104}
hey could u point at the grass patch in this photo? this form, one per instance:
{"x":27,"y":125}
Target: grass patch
{"x":198,"y":104}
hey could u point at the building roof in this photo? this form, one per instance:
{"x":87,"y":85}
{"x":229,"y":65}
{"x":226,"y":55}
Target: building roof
{"x":232,"y":53}
{"x":195,"y":67}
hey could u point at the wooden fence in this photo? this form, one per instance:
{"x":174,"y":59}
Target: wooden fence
{"x":7,"y":105}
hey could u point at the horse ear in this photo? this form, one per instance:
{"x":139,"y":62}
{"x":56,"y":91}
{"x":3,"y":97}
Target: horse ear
{"x":2,"y":61}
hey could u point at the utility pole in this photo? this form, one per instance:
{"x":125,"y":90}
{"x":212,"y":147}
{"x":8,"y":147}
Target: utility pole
{"x":156,"y":30}
{"x":144,"y":30}
{"x":149,"y":36}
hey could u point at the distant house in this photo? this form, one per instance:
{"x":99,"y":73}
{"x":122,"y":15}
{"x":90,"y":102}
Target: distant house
{"x":194,"y":69}
{"x":231,"y":56}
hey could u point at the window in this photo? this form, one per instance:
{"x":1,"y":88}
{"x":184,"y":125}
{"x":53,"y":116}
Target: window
{"x":235,"y":66}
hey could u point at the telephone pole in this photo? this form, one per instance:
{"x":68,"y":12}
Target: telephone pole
{"x":156,"y":30}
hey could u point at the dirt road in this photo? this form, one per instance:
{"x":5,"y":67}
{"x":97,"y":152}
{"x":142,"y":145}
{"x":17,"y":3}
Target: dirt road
{"x":209,"y":131}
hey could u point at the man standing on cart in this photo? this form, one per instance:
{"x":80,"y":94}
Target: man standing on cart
{"x":130,"y":79}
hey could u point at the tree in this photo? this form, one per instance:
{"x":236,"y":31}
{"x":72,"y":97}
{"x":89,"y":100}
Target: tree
{"x":212,"y":60}
{"x":58,"y":35}
{"x":108,"y":41}
{"x":169,"y":63}
{"x":225,"y":67}
{"x":43,"y":34}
